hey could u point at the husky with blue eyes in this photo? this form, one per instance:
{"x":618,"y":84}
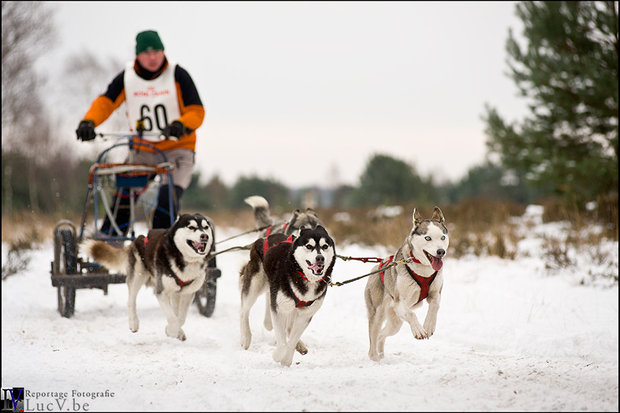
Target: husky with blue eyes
{"x":391,"y":295}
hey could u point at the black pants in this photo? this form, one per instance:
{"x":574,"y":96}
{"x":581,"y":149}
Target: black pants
{"x":161,"y":217}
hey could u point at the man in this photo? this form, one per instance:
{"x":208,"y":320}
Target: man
{"x":163,"y":96}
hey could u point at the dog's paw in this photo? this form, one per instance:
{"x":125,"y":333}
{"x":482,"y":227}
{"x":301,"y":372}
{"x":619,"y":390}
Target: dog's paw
{"x":374,"y":356}
{"x":301,"y":348}
{"x":419,"y":333}
{"x":175,"y":332}
{"x":284,"y":356}
{"x":279,"y":353}
{"x":246,"y":339}
{"x":288,"y":359}
{"x":429,"y":327}
{"x":134,"y":324}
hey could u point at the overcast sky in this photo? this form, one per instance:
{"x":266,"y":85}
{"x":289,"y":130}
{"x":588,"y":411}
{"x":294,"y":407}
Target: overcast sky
{"x":306,"y":92}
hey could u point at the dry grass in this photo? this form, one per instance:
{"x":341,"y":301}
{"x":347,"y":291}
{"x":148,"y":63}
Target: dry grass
{"x":476,"y":226}
{"x":30,"y":227}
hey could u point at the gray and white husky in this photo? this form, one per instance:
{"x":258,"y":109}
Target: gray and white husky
{"x":172,"y":260}
{"x":295,"y":273}
{"x":391,"y":295}
{"x":300,"y":219}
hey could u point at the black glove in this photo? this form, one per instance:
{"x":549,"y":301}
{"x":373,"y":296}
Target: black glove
{"x":174,"y":130}
{"x":86,"y":130}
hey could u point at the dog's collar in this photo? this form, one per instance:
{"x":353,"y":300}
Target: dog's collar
{"x":180,"y":282}
{"x":414,"y":259}
{"x":299,"y":303}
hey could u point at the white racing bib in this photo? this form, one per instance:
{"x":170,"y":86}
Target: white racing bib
{"x":155,"y":101}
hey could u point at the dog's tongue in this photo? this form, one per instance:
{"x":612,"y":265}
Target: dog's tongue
{"x":316,"y":269}
{"x":200,"y":246}
{"x":436,"y":263}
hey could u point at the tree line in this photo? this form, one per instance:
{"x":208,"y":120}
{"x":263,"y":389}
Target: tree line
{"x":62,"y":186}
{"x":567,"y":146}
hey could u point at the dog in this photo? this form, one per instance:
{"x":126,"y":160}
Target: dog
{"x":172,"y":260}
{"x":299,"y":220}
{"x":295,"y":272}
{"x":391,"y":295}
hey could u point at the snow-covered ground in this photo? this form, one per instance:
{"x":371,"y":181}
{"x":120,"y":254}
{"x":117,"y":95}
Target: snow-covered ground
{"x":510,"y":336}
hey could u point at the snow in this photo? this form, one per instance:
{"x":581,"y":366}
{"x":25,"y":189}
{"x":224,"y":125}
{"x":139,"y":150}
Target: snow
{"x":511,"y":335}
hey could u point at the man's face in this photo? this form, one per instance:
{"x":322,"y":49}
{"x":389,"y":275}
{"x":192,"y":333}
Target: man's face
{"x":151,"y":60}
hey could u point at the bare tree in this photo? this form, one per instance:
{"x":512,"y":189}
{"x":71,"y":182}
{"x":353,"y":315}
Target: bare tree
{"x":89,"y":76}
{"x":27,"y":32}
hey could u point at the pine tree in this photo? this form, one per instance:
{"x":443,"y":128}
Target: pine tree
{"x":569,"y":72}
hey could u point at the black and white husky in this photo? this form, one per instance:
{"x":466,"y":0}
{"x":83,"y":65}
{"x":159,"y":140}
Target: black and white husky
{"x":295,"y":272}
{"x":299,"y":220}
{"x":392,"y":294}
{"x":173,"y":261}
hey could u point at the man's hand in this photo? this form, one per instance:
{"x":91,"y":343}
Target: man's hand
{"x":86,"y":130}
{"x":174,"y":130}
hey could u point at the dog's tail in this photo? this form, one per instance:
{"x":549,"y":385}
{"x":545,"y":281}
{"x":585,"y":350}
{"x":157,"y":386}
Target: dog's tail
{"x":106,"y":255}
{"x":260,"y":206}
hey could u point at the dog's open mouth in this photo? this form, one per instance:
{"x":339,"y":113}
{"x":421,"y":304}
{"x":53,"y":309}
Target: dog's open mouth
{"x":436,"y":263}
{"x":317,"y":269}
{"x":199,"y":246}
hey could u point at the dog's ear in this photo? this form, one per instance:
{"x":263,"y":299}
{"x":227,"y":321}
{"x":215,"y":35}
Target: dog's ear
{"x":438,"y":215}
{"x":416,"y":218}
{"x":311,"y":212}
{"x":293,"y":220}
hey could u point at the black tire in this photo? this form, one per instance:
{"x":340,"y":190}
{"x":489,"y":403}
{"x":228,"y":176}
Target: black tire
{"x":67,"y":265}
{"x":205,"y":297}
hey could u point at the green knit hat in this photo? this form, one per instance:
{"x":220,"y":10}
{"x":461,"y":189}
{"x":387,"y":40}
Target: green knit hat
{"x":148,"y":40}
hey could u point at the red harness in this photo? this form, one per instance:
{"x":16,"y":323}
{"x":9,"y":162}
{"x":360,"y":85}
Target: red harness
{"x":267,"y":233}
{"x":298,"y":303}
{"x":179,"y":281}
{"x":423,"y":282}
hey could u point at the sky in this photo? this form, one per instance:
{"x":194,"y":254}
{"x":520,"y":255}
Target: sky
{"x":306,"y":92}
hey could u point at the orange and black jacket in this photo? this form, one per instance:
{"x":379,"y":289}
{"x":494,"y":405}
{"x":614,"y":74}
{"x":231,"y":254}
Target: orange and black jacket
{"x":190,"y":105}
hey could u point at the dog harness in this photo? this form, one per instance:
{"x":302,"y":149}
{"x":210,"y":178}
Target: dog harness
{"x":268,"y":232}
{"x":298,"y":303}
{"x":423,"y":282}
{"x":179,"y":281}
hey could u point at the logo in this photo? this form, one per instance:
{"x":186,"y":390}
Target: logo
{"x":151,"y":92}
{"x":13,"y":399}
